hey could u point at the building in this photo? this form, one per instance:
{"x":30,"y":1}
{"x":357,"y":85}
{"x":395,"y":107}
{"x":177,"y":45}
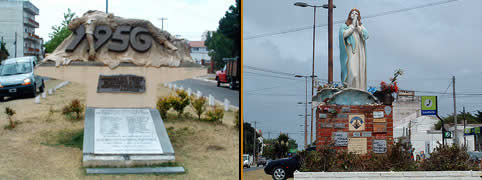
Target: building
{"x":199,"y":52}
{"x":17,"y":28}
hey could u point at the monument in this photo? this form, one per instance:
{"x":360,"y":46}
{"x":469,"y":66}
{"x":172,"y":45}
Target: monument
{"x":121,"y":62}
{"x":348,"y":116}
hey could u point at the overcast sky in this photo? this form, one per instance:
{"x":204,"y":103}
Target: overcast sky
{"x":188,"y":18}
{"x":430,"y":44}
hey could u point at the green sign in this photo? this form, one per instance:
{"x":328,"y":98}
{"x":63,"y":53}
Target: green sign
{"x":477,"y":130}
{"x":447,"y":134}
{"x":429,"y":105}
{"x":293,"y":150}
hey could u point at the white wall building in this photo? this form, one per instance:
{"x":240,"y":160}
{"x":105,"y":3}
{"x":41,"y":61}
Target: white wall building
{"x":407,"y":117}
{"x":199,"y":52}
{"x":17,"y":17}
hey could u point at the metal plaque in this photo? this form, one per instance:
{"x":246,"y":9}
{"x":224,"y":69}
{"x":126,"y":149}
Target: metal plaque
{"x":344,"y":116}
{"x":379,"y":127}
{"x":388,"y":110}
{"x":121,"y":83}
{"x":322,"y":116}
{"x":341,"y":138}
{"x":340,"y":125}
{"x":367,"y":134}
{"x":380,"y":120}
{"x":345,"y":109}
{"x":326,"y":125}
{"x":378,"y":114}
{"x":379,"y":146}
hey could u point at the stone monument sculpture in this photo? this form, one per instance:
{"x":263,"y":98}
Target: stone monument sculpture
{"x":121,"y":62}
{"x":353,"y":52}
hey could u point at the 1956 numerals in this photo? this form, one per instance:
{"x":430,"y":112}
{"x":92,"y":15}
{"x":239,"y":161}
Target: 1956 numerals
{"x":138,"y":37}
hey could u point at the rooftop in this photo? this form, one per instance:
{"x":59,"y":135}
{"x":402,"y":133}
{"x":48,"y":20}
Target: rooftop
{"x":196,"y":43}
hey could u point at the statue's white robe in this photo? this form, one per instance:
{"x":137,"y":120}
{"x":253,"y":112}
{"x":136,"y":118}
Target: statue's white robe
{"x":356,"y":61}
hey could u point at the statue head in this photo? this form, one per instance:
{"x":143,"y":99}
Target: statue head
{"x":354,"y":13}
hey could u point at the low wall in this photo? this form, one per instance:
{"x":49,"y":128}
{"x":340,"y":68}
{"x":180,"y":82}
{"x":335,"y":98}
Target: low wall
{"x":390,"y":175}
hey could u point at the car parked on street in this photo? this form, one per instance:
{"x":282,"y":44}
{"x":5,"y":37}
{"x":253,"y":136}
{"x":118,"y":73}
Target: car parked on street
{"x":261,"y":162}
{"x":17,"y":77}
{"x":283,"y":168}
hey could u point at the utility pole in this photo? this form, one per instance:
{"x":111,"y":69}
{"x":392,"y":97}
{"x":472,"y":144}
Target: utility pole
{"x":106,"y":6}
{"x":455,"y":112}
{"x":306,"y":110}
{"x":162,"y":22}
{"x":330,"y":41}
{"x":15,"y":44}
{"x":254,"y":142}
{"x":465,"y":139}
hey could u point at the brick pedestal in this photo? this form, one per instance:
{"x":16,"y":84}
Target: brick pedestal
{"x":369,"y":123}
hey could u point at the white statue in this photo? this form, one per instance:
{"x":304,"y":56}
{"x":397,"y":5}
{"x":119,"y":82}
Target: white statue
{"x":353,"y":52}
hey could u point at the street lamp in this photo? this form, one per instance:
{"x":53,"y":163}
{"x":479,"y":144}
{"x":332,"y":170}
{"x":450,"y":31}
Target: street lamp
{"x":306,"y":103}
{"x":330,"y":47}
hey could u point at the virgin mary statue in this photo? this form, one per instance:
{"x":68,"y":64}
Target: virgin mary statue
{"x":353,"y":52}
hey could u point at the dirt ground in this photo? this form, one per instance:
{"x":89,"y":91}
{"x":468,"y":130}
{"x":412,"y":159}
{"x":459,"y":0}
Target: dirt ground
{"x":256,"y":175}
{"x":205,"y":150}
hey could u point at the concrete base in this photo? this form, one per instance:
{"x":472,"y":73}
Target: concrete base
{"x":88,"y":75}
{"x":156,"y":170}
{"x":92,"y":160}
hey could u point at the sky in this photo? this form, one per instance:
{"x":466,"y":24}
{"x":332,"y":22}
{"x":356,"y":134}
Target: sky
{"x":188,"y":18}
{"x":431,"y":44}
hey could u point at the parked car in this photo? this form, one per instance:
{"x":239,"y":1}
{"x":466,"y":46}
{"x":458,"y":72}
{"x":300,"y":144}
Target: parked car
{"x":247,"y":160}
{"x":17,"y":77}
{"x":283,"y":168}
{"x":261,"y":161}
{"x":231,"y":73}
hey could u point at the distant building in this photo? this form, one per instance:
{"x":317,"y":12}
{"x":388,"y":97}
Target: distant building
{"x":17,"y":17}
{"x":199,"y":52}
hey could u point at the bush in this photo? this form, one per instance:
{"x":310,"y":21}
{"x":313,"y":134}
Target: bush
{"x":215,"y":115}
{"x":327,"y":158}
{"x":199,"y":105}
{"x":10,"y":112}
{"x":236,"y":119}
{"x":180,"y":102}
{"x":75,"y":107}
{"x":449,"y":158}
{"x":163,"y":105}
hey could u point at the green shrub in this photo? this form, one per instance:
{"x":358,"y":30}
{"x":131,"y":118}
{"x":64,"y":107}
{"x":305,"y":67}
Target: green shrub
{"x":10,"y":112}
{"x":327,"y":158}
{"x":180,"y":102}
{"x":75,"y":107}
{"x":236,"y":119}
{"x":163,"y":105}
{"x":449,"y":158}
{"x":215,"y":115}
{"x":199,"y":105}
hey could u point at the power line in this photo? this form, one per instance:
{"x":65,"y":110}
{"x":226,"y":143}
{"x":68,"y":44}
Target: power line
{"x":266,"y":75}
{"x":268,"y":70}
{"x":342,"y":21}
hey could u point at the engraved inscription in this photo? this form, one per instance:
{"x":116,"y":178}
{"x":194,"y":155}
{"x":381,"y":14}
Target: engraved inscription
{"x":125,"y":131}
{"x":121,"y":83}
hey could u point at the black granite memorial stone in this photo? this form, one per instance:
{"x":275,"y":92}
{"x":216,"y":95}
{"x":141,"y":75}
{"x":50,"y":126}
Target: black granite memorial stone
{"x":121,"y":83}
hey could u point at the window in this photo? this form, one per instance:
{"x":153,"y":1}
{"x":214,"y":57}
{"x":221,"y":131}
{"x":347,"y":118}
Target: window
{"x":195,"y":49}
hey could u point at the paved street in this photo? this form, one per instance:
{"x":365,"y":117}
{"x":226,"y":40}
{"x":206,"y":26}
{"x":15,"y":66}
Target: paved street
{"x":209,"y":87}
{"x":252,"y":168}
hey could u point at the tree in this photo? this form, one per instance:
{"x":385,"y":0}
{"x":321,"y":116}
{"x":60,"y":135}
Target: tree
{"x":3,"y":51}
{"x":226,"y":41}
{"x":479,"y":116}
{"x":248,"y":133}
{"x":470,"y":119}
{"x":60,"y":32}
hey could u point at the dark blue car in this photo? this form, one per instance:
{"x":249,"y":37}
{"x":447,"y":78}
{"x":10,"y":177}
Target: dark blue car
{"x":283,"y":168}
